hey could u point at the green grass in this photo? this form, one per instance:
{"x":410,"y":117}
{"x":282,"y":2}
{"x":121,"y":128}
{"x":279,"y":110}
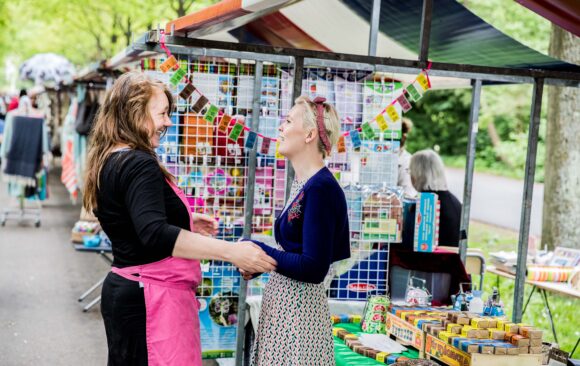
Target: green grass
{"x":564,"y":309}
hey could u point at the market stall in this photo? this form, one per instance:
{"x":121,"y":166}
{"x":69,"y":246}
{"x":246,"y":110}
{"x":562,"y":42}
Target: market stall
{"x":222,"y":149}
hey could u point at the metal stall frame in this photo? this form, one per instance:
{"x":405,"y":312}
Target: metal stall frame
{"x":148,"y":45}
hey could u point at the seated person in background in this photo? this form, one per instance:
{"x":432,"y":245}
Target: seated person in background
{"x":428,"y":175}
{"x":404,"y":178}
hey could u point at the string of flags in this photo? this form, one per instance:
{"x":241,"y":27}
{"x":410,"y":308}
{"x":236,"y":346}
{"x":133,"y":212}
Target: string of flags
{"x":412,"y":93}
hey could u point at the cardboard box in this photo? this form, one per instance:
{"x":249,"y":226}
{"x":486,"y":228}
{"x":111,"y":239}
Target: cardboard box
{"x":511,"y":328}
{"x":519,"y":341}
{"x":480,"y":323}
{"x":486,"y":349}
{"x":427,"y":215}
{"x":483,"y":334}
{"x":530,"y":332}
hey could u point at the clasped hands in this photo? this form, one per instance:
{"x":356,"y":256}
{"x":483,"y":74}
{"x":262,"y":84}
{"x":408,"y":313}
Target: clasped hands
{"x":248,"y":257}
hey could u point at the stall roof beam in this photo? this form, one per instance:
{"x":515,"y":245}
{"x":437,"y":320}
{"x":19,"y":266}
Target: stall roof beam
{"x":460,"y":71}
{"x":426,"y":16}
{"x":374,"y":32}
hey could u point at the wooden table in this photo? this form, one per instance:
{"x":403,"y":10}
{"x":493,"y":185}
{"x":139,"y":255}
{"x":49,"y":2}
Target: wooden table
{"x":543,"y":288}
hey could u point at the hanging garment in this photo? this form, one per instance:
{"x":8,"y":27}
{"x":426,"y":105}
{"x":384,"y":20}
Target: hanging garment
{"x":172,"y":319}
{"x":25,"y":150}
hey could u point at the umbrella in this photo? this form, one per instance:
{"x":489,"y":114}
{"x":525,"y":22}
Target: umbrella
{"x":47,"y":67}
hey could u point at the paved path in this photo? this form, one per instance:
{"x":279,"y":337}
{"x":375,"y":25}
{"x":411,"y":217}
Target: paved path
{"x":498,"y":200}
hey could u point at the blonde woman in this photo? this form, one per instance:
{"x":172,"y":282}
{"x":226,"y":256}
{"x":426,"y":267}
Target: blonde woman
{"x":312,"y":233}
{"x":148,"y":299}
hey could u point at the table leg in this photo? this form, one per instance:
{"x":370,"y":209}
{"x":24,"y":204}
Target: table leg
{"x":547,"y":304}
{"x":93,"y":288}
{"x":529,"y":298}
{"x":574,"y":350}
{"x":92,"y":303}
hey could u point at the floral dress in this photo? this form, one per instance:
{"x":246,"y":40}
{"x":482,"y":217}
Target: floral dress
{"x":294,"y":327}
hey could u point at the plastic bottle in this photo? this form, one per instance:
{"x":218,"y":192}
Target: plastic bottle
{"x":476,"y":304}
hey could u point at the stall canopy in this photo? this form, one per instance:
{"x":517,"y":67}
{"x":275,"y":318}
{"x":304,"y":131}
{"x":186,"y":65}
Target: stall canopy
{"x":564,"y":13}
{"x":457,"y":35}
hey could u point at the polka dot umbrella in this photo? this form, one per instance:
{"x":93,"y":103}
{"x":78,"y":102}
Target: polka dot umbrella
{"x":45,"y":68}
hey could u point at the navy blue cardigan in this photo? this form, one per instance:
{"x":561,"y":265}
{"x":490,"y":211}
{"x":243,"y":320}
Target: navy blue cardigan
{"x":313,"y":230}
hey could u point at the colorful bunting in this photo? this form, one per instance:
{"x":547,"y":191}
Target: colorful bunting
{"x":355,"y":139}
{"x":251,"y":140}
{"x":404,"y":103}
{"x":187,"y":90}
{"x":278,"y":155}
{"x":382,"y":122}
{"x":265,"y":146}
{"x":392,"y":112}
{"x":200,"y":104}
{"x":211,"y":113}
{"x":413,"y":92}
{"x":224,"y":124}
{"x":236,"y":131}
{"x":368,"y":131}
{"x":423,"y":80}
{"x":177,"y":76}
{"x":168,"y":64}
{"x":341,"y":145}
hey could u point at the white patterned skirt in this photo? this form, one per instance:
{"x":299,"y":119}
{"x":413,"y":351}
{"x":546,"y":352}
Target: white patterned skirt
{"x":295,"y":327}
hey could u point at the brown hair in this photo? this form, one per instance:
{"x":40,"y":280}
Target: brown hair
{"x":331,"y":121}
{"x":123,"y":119}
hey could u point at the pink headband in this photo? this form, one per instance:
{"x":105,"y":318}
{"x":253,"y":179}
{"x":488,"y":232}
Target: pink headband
{"x":319,"y":101}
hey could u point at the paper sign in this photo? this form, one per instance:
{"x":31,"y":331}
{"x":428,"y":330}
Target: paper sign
{"x":251,"y":140}
{"x":168,"y":64}
{"x":382,"y":122}
{"x":355,"y":139}
{"x":392,"y":112}
{"x":224,"y":124}
{"x":177,"y":76}
{"x":187,"y":91}
{"x":265,"y":146}
{"x":211,"y":113}
{"x":236,"y":131}
{"x":368,"y":131}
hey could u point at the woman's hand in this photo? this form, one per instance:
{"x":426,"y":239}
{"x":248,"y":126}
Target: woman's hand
{"x":250,"y":258}
{"x":204,"y":224}
{"x":246,"y":275}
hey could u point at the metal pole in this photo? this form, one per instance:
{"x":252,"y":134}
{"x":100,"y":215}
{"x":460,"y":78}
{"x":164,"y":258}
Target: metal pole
{"x":527,"y":199}
{"x":469,"y":166}
{"x":249,"y":209}
{"x":296,"y":92}
{"x":373,"y":36}
{"x":425,"y":35}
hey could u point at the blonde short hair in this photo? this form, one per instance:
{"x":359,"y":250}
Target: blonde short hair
{"x":427,"y":171}
{"x":331,"y":121}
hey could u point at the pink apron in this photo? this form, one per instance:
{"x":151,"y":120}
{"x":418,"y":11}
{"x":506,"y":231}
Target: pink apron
{"x":172,"y":311}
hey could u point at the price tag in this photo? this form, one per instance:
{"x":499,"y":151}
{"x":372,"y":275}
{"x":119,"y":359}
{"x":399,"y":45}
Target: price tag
{"x":355,"y":139}
{"x":341,"y":145}
{"x":177,"y":76}
{"x":187,"y":90}
{"x":265,"y":146}
{"x":251,"y":140}
{"x":368,"y":131}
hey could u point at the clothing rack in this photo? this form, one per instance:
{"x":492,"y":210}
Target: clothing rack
{"x":22,"y":213}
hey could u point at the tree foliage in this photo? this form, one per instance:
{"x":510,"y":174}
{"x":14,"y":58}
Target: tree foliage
{"x":83,"y":31}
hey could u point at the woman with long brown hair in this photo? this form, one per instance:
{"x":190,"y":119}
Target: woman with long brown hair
{"x":148,"y":299}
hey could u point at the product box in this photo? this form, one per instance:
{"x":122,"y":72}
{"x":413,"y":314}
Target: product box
{"x":218,"y":310}
{"x":427,"y":216}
